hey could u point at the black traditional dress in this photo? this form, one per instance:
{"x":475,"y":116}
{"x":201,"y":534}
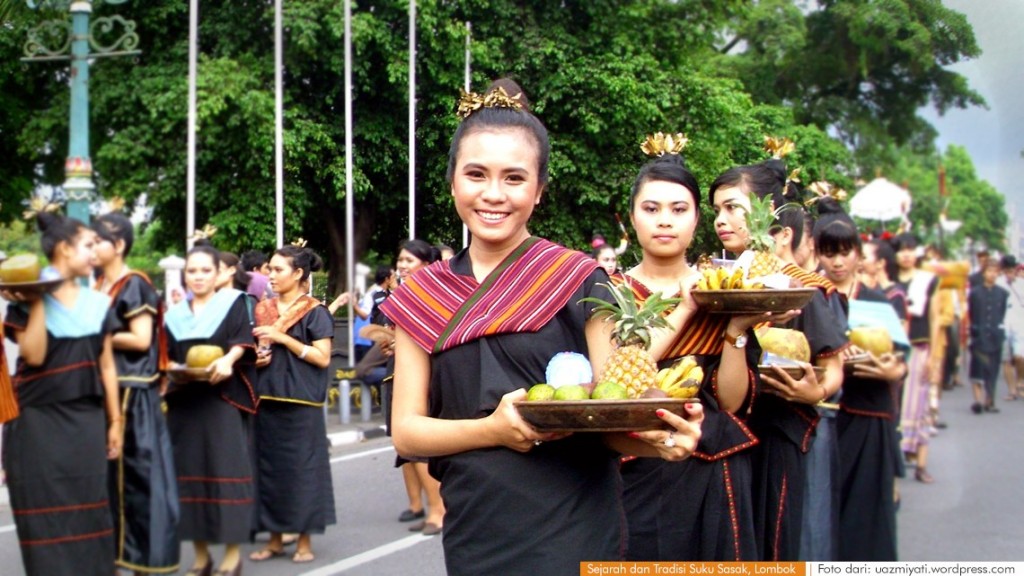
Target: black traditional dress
{"x":700,"y":508}
{"x":785,"y":431}
{"x":510,"y":513}
{"x":55,"y":452}
{"x":869,"y":462}
{"x":295,"y":493}
{"x":210,"y":425}
{"x":143,"y":487}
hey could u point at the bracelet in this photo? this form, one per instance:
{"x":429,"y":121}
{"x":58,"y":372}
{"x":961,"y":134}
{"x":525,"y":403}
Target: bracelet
{"x":824,"y":392}
{"x":305,"y":350}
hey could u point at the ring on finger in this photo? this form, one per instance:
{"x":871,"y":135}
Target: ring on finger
{"x":671,"y":440}
{"x":538,"y":442}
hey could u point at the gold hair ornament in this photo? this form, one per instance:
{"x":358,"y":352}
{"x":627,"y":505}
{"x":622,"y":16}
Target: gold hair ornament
{"x":779,"y":148}
{"x":205,"y":233}
{"x":821,"y":189}
{"x":470,"y":102}
{"x":300,"y":242}
{"x":37,"y":205}
{"x":660,"y":144}
{"x":115,"y":204}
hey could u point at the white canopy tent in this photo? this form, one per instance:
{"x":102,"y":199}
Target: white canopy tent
{"x":881,"y":200}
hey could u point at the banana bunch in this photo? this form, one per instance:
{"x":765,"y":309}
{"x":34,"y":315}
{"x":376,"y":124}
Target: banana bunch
{"x":722,"y":279}
{"x":682,"y":379}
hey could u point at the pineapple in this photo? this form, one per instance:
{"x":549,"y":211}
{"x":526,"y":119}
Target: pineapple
{"x":630,"y":364}
{"x":760,"y":220}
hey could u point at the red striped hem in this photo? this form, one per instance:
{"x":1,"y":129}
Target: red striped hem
{"x":778,"y":520}
{"x":733,"y":520}
{"x":235,"y":502}
{"x":58,"y":509}
{"x":25,"y":379}
{"x":867,"y":413}
{"x":214,"y":479}
{"x":63,"y":539}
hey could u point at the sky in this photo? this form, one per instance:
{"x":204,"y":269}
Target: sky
{"x":993,"y":137}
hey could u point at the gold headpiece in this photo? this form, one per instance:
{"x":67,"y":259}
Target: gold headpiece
{"x":301,"y":242}
{"x":205,"y":233}
{"x":115,"y":204}
{"x":778,"y":147}
{"x":38,"y":205}
{"x":822,"y":189}
{"x":470,"y":102}
{"x":660,"y":144}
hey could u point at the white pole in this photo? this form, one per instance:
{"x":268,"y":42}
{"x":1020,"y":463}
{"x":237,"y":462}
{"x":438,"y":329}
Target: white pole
{"x":279,"y":122}
{"x":190,"y":174}
{"x":349,"y":204}
{"x":412,"y":118}
{"x":466,"y":86}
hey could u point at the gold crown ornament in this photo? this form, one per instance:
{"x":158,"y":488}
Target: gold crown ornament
{"x":779,"y":148}
{"x":659,"y":144}
{"x":470,"y":102}
{"x":205,"y":233}
{"x":300,"y":242}
{"x":821,"y":189}
{"x":38,"y":205}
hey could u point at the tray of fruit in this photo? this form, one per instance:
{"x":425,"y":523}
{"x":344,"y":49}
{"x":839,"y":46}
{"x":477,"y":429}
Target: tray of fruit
{"x":720,"y":291}
{"x":794,"y":372}
{"x":565,"y":404}
{"x":197,"y":363}
{"x":22,"y":274}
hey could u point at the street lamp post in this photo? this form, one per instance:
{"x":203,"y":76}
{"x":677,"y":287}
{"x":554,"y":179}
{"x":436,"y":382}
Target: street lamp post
{"x":78,"y":41}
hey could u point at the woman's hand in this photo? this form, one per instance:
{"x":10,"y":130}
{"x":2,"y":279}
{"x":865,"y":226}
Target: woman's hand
{"x":263,"y":356}
{"x":267,"y":334}
{"x":115,"y":438}
{"x":679,"y":443}
{"x":220,"y":370}
{"x":885,"y":367}
{"x":509,"y":428}
{"x":807,"y":390}
{"x":19,"y":296}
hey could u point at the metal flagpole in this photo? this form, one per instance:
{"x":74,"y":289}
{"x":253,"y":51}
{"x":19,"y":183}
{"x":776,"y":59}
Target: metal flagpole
{"x":190,"y":178}
{"x":412,"y":118}
{"x":469,"y":32}
{"x":349,"y":204}
{"x":279,"y":123}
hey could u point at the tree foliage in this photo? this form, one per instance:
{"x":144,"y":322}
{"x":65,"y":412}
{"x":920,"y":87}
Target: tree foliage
{"x":600,"y":74}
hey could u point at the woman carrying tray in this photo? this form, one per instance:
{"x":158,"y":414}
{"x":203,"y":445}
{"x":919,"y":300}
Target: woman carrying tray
{"x":474,"y":332}
{"x":143,"y":487}
{"x":294,"y":331}
{"x":210,"y":418}
{"x":55,"y":453}
{"x":868,"y":444}
{"x":784,"y":417}
{"x":700,"y":508}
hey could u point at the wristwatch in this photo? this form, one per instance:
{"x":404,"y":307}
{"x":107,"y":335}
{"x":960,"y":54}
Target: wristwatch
{"x":736,"y":341}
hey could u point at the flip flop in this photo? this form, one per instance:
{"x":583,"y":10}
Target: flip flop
{"x":303,"y":557}
{"x":265,"y":554}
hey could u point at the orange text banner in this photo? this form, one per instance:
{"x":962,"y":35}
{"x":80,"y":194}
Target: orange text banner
{"x":695,"y":568}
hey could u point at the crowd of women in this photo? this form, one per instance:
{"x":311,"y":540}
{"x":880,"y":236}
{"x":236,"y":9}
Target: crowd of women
{"x":109,"y":464}
{"x":767,"y":465}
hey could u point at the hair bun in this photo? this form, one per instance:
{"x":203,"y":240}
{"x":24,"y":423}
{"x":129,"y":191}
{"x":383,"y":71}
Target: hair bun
{"x":47,"y":220}
{"x":829,"y":205}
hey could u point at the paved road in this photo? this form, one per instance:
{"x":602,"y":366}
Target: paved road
{"x":972,"y":512}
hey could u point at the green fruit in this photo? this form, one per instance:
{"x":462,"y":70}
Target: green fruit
{"x":540,"y":392}
{"x":610,"y":391}
{"x":573,"y":392}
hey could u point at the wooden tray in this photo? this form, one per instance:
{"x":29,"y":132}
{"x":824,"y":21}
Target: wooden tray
{"x":186,"y":375}
{"x":600,"y":415}
{"x":753,"y":301}
{"x":32,"y":288}
{"x":795,"y":372}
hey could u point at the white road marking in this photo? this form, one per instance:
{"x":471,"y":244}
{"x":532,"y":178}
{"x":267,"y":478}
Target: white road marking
{"x":368,"y":556}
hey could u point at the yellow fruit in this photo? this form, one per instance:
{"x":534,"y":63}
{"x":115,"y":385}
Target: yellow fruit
{"x":202,"y":355}
{"x":632,"y":367}
{"x":20,"y":268}
{"x":873,"y":339}
{"x":786,"y":343}
{"x":687,"y":391}
{"x":736,"y":279}
{"x":540,"y":392}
